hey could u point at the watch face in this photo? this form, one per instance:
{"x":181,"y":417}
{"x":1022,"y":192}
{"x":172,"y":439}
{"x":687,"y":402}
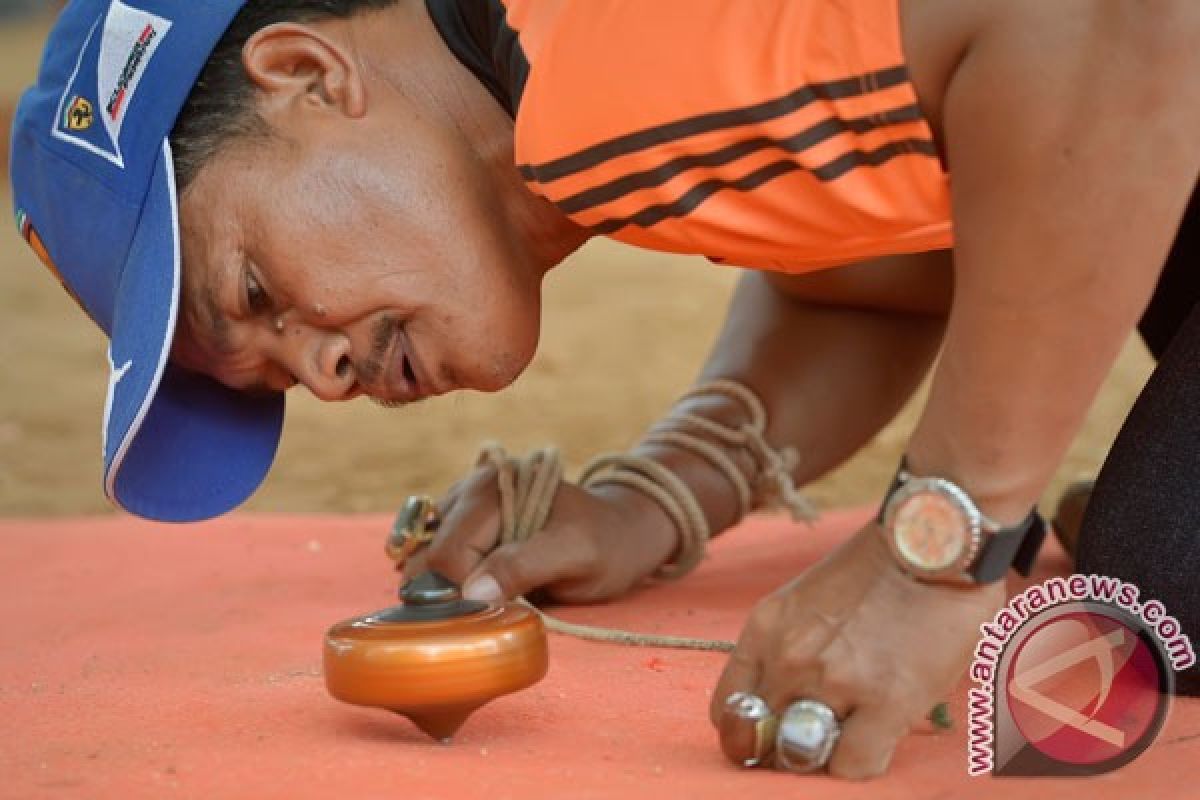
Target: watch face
{"x":930,"y":531}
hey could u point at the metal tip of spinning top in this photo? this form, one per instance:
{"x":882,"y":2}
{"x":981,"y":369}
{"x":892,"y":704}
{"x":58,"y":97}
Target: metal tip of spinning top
{"x":440,"y":725}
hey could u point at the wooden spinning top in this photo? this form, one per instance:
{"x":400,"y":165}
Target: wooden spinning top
{"x":437,"y":657}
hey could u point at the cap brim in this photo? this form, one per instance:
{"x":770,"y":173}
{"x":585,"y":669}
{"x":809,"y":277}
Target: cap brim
{"x":178,"y":446}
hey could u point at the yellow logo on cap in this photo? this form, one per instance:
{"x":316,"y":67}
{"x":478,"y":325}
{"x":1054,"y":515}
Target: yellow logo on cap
{"x":80,"y":115}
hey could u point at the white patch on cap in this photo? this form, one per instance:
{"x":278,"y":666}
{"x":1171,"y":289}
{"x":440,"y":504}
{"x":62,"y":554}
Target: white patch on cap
{"x":129,"y":38}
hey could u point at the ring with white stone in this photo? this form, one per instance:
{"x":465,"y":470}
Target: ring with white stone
{"x":807,"y":733}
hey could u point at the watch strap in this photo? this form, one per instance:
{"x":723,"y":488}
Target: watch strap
{"x":1015,"y":547}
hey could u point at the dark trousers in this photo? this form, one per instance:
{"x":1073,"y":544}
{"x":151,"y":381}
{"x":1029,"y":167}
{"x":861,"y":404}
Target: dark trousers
{"x":1143,"y":522}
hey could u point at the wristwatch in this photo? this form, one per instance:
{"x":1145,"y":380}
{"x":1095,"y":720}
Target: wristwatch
{"x":938,"y":534}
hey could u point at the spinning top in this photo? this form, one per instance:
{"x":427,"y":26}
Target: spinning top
{"x":437,"y":657}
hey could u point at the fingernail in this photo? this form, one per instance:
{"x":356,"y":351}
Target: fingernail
{"x":483,"y":589}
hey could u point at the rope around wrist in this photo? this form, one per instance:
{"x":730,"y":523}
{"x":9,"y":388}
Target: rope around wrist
{"x":669,"y":491}
{"x":770,"y":486}
{"x":527,"y":487}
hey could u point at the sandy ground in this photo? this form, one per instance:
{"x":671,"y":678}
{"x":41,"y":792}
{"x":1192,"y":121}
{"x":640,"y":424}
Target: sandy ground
{"x":625,"y":331}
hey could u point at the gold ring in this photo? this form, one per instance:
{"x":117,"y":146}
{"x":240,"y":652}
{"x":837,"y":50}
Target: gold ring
{"x":415,"y":527}
{"x":747,"y":730}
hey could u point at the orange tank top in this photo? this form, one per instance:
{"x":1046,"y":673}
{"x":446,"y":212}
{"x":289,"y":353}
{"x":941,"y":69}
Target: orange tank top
{"x":775,"y":134}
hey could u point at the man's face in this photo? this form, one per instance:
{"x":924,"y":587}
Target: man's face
{"x":353,"y":260}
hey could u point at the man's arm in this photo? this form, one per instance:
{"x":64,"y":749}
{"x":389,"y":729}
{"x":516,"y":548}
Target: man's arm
{"x":1074,"y":148}
{"x":1071,"y":141}
{"x":833,"y":355}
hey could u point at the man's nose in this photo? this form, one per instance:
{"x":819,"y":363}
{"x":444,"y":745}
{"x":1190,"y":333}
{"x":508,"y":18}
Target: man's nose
{"x":319,"y":358}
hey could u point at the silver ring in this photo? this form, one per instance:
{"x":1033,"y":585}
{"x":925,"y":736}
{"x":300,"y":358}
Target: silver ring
{"x":807,"y":734}
{"x":747,"y":729}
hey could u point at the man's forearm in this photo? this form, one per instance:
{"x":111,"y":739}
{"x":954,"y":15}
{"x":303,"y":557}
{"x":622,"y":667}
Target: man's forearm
{"x":1062,"y":226}
{"x":830,"y":378}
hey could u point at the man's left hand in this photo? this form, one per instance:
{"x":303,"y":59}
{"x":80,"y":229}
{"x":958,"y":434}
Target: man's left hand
{"x":859,"y":635}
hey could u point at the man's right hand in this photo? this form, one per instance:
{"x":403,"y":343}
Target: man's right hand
{"x":597,"y":543}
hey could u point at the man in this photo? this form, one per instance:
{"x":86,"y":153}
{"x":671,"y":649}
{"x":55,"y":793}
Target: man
{"x":363,"y":197}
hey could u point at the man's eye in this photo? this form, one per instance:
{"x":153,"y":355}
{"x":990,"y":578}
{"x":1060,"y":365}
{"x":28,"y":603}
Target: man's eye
{"x":256,"y":297}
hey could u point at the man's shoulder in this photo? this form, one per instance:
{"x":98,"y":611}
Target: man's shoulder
{"x":599,"y":71}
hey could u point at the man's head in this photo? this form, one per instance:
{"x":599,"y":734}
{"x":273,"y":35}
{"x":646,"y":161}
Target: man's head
{"x":272,"y":192}
{"x":342,"y":226}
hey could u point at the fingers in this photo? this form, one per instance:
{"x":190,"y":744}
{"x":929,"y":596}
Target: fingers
{"x":416,"y":564}
{"x":467,"y":549}
{"x":512,"y":570}
{"x":812,"y":660}
{"x":469,"y":528}
{"x":869,"y":738}
{"x":740,"y":675}
{"x":745,"y":670}
{"x":874,"y":712}
{"x":773,"y":671}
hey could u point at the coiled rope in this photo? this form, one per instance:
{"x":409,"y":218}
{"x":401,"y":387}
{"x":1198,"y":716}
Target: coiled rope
{"x":527,"y":487}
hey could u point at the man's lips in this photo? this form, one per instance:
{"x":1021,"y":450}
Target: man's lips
{"x":404,"y":380}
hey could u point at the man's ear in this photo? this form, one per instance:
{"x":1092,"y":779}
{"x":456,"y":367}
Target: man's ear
{"x":298,"y":66}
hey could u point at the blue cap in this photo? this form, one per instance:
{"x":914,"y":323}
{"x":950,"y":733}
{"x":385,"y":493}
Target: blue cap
{"x":94,"y":191}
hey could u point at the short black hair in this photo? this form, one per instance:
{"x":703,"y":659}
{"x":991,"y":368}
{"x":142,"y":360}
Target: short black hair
{"x":221,"y":105}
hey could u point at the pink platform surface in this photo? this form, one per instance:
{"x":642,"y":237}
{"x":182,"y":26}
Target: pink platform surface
{"x":146,"y":661}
